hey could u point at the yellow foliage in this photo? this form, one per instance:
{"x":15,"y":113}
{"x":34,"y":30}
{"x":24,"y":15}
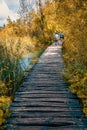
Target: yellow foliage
{"x":35,"y":60}
{"x":1,"y":121}
{"x":1,"y":113}
{"x":4,"y":108}
{"x":85,"y":110}
{"x":4,"y":99}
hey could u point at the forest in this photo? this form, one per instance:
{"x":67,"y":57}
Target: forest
{"x":34,"y":31}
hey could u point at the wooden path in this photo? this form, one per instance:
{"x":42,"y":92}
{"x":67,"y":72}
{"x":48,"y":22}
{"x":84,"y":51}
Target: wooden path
{"x":44,"y":101}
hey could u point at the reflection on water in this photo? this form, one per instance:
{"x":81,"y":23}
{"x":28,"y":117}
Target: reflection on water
{"x":25,"y":62}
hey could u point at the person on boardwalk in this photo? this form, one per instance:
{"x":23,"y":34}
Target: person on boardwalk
{"x":61,"y":40}
{"x":56,"y":38}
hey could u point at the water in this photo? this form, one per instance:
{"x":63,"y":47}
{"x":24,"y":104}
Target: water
{"x":26,"y":61}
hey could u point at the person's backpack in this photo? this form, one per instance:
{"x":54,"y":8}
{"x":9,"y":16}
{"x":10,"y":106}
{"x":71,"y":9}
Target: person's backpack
{"x":61,"y":36}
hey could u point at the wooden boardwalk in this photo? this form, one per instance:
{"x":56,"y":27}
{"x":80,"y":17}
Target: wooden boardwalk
{"x":44,"y":101}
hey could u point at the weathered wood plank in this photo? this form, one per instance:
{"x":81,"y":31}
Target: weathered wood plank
{"x":44,"y":92}
{"x":48,"y":121}
{"x":69,"y":127}
{"x":40,"y":114}
{"x":48,"y":95}
{"x":52,"y":99}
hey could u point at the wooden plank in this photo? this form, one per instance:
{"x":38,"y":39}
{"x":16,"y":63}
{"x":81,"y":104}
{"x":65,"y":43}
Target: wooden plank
{"x":48,"y":121}
{"x":48,"y":99}
{"x":44,"y":103}
{"x":43,"y":109}
{"x":44,"y":92}
{"x":30,"y":114}
{"x":68,"y":127}
{"x":43,"y":95}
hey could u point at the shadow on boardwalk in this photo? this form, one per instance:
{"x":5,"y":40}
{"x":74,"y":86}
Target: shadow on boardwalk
{"x":44,"y":101}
